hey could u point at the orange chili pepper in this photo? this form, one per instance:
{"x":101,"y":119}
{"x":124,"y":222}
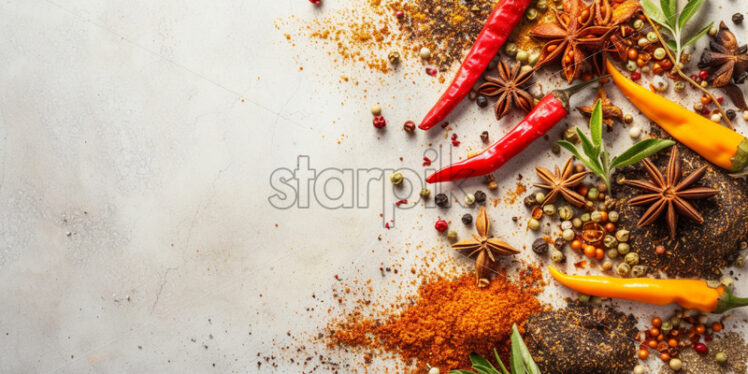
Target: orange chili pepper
{"x":718,"y":144}
{"x":688,"y":293}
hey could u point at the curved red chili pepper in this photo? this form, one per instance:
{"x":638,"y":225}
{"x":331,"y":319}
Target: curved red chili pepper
{"x":549,"y":111}
{"x":505,"y":15}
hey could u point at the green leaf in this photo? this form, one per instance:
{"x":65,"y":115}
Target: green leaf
{"x":528,"y":363}
{"x":640,"y":151}
{"x":461,"y":372}
{"x":671,"y":44}
{"x":516,"y":360}
{"x":596,"y":124}
{"x":595,"y":167}
{"x":590,"y":150}
{"x":699,"y":34}
{"x":501,"y":364}
{"x":654,"y":12}
{"x":688,"y":11}
{"x":669,"y":10}
{"x":481,"y":365}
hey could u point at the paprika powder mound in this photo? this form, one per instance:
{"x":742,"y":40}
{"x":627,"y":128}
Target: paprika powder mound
{"x":449,"y":319}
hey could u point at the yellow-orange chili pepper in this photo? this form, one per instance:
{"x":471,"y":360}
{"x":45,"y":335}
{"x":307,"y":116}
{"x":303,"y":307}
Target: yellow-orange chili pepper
{"x":688,"y":293}
{"x":718,"y":144}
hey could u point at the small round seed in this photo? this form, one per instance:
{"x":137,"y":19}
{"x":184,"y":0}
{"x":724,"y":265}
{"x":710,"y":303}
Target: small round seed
{"x":557,"y":256}
{"x":632,"y":258}
{"x":635,"y":132}
{"x":638,"y":24}
{"x":376,"y":109}
{"x":469,"y":199}
{"x":651,"y":37}
{"x":533,"y":224}
{"x":425,"y":53}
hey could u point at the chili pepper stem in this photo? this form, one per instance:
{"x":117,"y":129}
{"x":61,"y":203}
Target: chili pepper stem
{"x":728,"y":301}
{"x":563,"y":95}
{"x":687,"y":78}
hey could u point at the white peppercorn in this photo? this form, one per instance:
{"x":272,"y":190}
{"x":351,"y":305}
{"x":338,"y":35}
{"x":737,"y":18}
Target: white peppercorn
{"x":596,"y":216}
{"x":568,"y":235}
{"x":549,"y":209}
{"x":632,"y":258}
{"x":576,"y":222}
{"x":613,"y":216}
{"x":565,"y":213}
{"x":565,"y":225}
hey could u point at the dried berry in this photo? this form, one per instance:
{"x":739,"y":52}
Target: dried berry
{"x":480,"y":197}
{"x":481,"y":101}
{"x":484,"y":136}
{"x":737,"y":18}
{"x":409,"y":126}
{"x":467,"y":218}
{"x":441,"y":200}
{"x":379,"y":122}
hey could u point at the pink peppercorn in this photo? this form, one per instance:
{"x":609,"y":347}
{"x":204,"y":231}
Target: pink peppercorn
{"x":694,"y":77}
{"x":315,"y":2}
{"x":431,"y":71}
{"x":707,"y":338}
{"x":379,"y":122}
{"x":720,"y":99}
{"x":660,"y":249}
{"x":399,"y":14}
{"x":703,"y":74}
{"x":636,"y":75}
{"x":441,"y":225}
{"x":700,"y":348}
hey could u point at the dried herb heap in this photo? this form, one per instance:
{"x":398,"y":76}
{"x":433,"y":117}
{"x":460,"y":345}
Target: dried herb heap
{"x":486,"y":250}
{"x":510,"y":88}
{"x":668,"y":195}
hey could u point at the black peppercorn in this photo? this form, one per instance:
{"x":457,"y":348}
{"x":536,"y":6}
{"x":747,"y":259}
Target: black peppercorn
{"x":559,"y":243}
{"x":730,"y":114}
{"x":480,"y":197}
{"x":481,"y":101}
{"x":441,"y":200}
{"x":484,"y":136}
{"x":467,"y":218}
{"x":540,"y":246}
{"x":737,"y":18}
{"x":530,"y":201}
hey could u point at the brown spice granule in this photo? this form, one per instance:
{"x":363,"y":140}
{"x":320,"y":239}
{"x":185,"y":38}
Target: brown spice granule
{"x":449,"y":319}
{"x":731,"y":343}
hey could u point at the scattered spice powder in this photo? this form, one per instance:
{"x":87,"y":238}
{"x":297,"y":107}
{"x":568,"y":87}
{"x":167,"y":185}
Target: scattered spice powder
{"x":731,"y":344}
{"x":449,"y":319}
{"x":369,"y":34}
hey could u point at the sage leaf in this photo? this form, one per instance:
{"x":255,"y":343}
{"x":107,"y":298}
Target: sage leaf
{"x":669,"y":10}
{"x":596,"y":124}
{"x":640,"y":151}
{"x":654,"y":12}
{"x":530,"y":366}
{"x":481,"y":365}
{"x":688,"y":11}
{"x":589,"y":149}
{"x":699,"y":34}
{"x":594,"y":166}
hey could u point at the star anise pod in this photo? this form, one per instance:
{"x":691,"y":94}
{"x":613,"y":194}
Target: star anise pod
{"x":561,"y":182}
{"x":668,"y":194}
{"x":484,"y":248}
{"x":725,"y":58}
{"x":573,"y":29}
{"x":610,"y":111}
{"x":510,"y":87}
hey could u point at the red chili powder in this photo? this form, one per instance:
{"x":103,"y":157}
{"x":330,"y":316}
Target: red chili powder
{"x":450,"y":319}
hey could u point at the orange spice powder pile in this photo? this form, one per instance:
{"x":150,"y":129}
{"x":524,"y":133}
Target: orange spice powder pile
{"x":449,"y":319}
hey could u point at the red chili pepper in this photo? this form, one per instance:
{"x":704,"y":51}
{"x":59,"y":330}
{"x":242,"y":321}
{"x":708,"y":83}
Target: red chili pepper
{"x":549,"y":111}
{"x":505,"y":15}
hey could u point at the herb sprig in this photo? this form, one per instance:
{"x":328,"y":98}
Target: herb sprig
{"x":520,"y":359}
{"x":670,"y":19}
{"x":594,"y":155}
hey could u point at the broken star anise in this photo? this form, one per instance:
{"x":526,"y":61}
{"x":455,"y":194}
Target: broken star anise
{"x":573,"y":29}
{"x":725,"y":58}
{"x":561,"y":182}
{"x":668,"y":194}
{"x":610,"y":111}
{"x":510,"y":87}
{"x":484,"y":248}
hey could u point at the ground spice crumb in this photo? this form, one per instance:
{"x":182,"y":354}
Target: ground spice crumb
{"x":449,"y":319}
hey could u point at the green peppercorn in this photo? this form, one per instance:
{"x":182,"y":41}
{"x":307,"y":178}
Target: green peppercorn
{"x":539,"y":197}
{"x":425,"y":193}
{"x":557,"y":256}
{"x":593,"y":193}
{"x":638,"y":270}
{"x":531,"y":14}
{"x":612,"y":253}
{"x":623,"y":248}
{"x":659,"y":53}
{"x":585,"y":217}
{"x":533,"y":224}
{"x":452,"y":235}
{"x":584,"y":298}
{"x":565,"y":213}
{"x":542,"y":5}
{"x":679,"y":86}
{"x":622,"y":235}
{"x":666,"y":326}
{"x":510,"y":49}
{"x":651,"y":37}
{"x":522,"y":56}
{"x":623,"y":269}
{"x":576,"y":222}
{"x":610,"y":241}
{"x":720,"y":357}
{"x":632,"y":258}
{"x":532,"y":60}
{"x":549,"y":209}
{"x":596,"y":300}
{"x":396,"y":178}
{"x":596,"y":216}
